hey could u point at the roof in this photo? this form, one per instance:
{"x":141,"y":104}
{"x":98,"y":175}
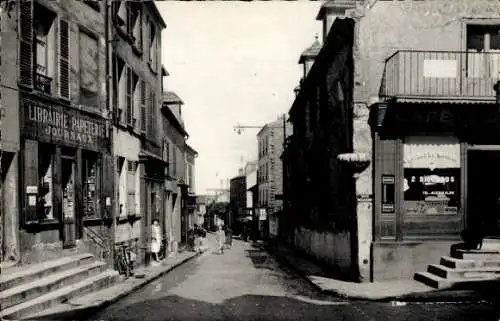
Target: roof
{"x":169,"y":97}
{"x":171,"y":116}
{"x":330,"y":5}
{"x":156,"y":13}
{"x":312,"y":51}
{"x":191,"y":150}
{"x":164,"y":71}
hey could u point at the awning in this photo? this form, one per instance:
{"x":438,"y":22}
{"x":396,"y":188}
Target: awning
{"x":446,"y":100}
{"x":148,"y":155}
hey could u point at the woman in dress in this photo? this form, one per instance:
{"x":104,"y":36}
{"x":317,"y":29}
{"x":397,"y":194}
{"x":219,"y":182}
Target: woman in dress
{"x":155,"y":240}
{"x":221,"y":239}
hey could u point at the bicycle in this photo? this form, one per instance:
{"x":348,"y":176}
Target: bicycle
{"x":123,"y":262}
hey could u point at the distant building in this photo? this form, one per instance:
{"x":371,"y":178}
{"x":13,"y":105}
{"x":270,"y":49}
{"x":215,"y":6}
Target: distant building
{"x":270,"y":174}
{"x":237,"y":200}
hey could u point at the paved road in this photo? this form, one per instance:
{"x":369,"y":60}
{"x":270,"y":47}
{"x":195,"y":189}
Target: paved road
{"x":246,"y":283}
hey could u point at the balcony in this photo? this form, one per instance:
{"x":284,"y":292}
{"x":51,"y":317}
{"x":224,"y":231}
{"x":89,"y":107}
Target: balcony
{"x":440,"y":75}
{"x":43,"y":83}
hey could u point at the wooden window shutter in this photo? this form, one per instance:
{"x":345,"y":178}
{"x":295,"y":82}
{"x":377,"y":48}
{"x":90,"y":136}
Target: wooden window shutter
{"x":30,"y":179}
{"x":26,"y":43}
{"x":129,"y":93}
{"x":64,"y":71}
{"x":143,"y":106}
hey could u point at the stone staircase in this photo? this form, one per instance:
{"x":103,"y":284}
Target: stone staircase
{"x":465,"y":267}
{"x":34,"y":288}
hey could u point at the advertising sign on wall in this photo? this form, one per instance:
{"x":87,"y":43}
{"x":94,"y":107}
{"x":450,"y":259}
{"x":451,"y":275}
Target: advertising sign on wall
{"x":58,"y":124}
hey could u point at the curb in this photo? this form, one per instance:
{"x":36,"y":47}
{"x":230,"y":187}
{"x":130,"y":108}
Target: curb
{"x":457,"y":296}
{"x":83,"y":312}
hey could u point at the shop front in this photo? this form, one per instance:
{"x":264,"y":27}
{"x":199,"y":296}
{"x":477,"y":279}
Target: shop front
{"x":66,"y":178}
{"x":436,"y":174}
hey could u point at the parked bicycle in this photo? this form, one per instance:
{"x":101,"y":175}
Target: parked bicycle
{"x":124,"y":261}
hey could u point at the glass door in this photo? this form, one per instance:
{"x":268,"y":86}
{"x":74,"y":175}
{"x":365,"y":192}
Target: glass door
{"x":68,"y":168}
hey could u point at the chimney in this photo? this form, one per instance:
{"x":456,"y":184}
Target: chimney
{"x":309,"y":55}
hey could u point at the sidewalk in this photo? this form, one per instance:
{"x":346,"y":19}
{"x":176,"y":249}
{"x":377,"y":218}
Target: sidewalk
{"x":80,"y":307}
{"x":395,"y":290}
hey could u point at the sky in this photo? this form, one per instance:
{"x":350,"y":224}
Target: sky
{"x":233,"y":63}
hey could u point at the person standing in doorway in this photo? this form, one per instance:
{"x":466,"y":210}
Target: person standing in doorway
{"x":155,"y":240}
{"x":221,"y":239}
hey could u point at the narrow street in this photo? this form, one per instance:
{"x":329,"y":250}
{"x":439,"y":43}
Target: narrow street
{"x":246,"y":283}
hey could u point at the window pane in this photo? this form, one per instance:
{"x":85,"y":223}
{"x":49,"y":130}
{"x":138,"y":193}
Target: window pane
{"x":88,"y":69}
{"x":46,"y":171}
{"x":89,"y":177}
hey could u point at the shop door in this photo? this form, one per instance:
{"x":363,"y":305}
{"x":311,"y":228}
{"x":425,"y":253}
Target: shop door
{"x":68,"y":171}
{"x":483,"y":199}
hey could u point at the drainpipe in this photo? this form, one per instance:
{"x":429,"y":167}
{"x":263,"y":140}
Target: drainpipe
{"x":110,"y":129}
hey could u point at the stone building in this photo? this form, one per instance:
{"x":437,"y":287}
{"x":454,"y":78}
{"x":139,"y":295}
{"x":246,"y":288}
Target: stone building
{"x":388,"y":143}
{"x":174,"y":141}
{"x":270,"y":140}
{"x":237,"y":201}
{"x":57,"y":165}
{"x":135,"y":98}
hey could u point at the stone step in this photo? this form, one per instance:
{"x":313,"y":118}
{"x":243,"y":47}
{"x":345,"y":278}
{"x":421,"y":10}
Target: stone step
{"x":48,"y":300}
{"x":455,"y":263}
{"x":476,"y":255}
{"x":452,"y":273}
{"x":28,"y":291}
{"x":491,"y":244}
{"x":457,"y":283}
{"x":24,"y":274}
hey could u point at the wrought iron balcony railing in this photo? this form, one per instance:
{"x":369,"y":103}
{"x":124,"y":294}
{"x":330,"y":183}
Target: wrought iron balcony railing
{"x":43,"y":83}
{"x":440,"y":74}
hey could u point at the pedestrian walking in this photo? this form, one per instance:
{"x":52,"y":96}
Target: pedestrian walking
{"x":221,"y":239}
{"x":229,"y":237}
{"x":155,"y":240}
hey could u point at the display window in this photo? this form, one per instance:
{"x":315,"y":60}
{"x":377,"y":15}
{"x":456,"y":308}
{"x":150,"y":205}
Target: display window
{"x":431,"y":176}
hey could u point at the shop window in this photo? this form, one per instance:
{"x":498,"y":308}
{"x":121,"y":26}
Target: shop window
{"x":46,"y":185}
{"x":88,"y":69}
{"x":90,"y":179}
{"x":431,"y":177}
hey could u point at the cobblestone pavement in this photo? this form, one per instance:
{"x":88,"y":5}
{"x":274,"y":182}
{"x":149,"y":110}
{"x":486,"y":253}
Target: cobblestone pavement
{"x":246,"y":283}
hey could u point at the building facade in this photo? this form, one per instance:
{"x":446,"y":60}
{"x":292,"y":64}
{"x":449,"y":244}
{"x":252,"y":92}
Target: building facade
{"x":135,"y":96}
{"x":57,"y":191}
{"x":270,"y":142}
{"x":237,"y":201}
{"x":389,"y":141}
{"x":174,"y":143}
{"x":190,"y":204}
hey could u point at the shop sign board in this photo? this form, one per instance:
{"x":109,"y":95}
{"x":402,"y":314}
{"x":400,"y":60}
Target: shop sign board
{"x":56,"y":124}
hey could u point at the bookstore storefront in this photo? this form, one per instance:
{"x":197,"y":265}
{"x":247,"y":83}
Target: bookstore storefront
{"x":66,"y":172}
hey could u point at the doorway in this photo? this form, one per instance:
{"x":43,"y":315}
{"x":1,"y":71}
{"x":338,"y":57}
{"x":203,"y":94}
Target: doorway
{"x":68,"y":171}
{"x":483,"y":189}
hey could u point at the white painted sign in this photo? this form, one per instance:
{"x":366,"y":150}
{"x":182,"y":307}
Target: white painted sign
{"x":431,"y":156}
{"x":31,"y":189}
{"x":440,"y":68}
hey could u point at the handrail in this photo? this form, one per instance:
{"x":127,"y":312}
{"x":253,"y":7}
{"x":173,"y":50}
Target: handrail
{"x":102,"y":241}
